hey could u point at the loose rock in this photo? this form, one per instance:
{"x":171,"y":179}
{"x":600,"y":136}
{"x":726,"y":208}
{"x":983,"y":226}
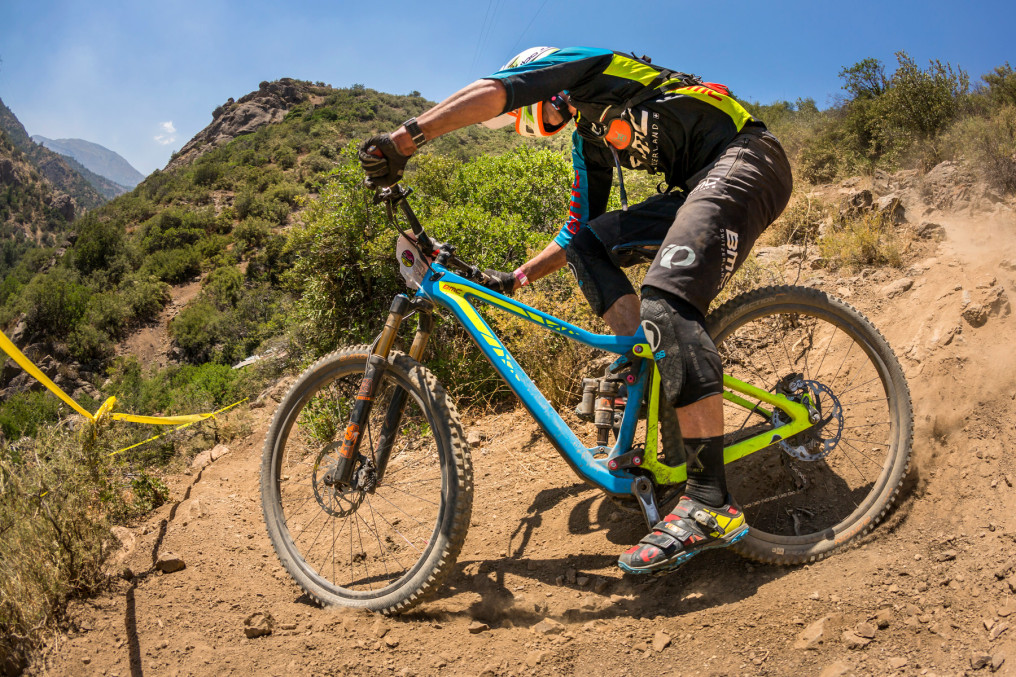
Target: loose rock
{"x":548,"y":626}
{"x":534,"y":658}
{"x":476,"y":627}
{"x":997,"y":631}
{"x":897,"y":662}
{"x":258,"y":624}
{"x":473,"y":440}
{"x":898,"y":287}
{"x":169,"y":563}
{"x":946,"y":556}
{"x":866,"y":630}
{"x":852,"y":641}
{"x":813,"y":635}
{"x":980,"y":660}
{"x":661,"y":641}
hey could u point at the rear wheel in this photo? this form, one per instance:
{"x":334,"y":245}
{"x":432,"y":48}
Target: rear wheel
{"x":385,"y":543}
{"x":807,"y":495}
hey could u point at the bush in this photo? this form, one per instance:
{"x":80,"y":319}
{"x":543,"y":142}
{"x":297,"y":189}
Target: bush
{"x":23,"y":413}
{"x":799,"y":222}
{"x":145,"y":297}
{"x":870,"y":240}
{"x":251,"y":233}
{"x":54,"y":303}
{"x":197,"y":330}
{"x":174,"y":266}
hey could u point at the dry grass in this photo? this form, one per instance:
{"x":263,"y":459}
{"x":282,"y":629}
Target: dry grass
{"x":869,"y":240}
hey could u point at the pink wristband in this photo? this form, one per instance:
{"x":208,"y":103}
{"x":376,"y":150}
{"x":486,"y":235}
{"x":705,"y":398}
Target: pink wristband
{"x":521,"y":277}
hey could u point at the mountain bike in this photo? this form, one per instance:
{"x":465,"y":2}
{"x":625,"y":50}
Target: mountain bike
{"x":367,"y":482}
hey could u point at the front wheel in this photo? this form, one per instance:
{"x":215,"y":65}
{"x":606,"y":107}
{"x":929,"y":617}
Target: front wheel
{"x":805,"y":496}
{"x":385,"y":541}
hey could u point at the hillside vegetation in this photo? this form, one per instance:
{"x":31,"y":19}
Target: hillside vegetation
{"x":294,"y":259}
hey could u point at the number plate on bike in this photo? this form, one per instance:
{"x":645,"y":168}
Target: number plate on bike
{"x":412,"y":263}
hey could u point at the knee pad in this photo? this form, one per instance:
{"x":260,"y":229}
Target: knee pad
{"x":601,"y":282}
{"x":686,"y":356}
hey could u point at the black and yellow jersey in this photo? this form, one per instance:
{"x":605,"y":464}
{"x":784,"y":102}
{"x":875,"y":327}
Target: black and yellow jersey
{"x":677,"y":132}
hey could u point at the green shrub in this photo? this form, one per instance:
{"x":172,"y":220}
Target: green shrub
{"x":54,"y":303}
{"x":99,"y":243}
{"x":88,"y":344}
{"x":206,"y":173}
{"x":799,"y":222}
{"x":145,"y":297}
{"x":23,"y":413}
{"x":174,"y":266}
{"x":197,"y":330}
{"x":251,"y":233}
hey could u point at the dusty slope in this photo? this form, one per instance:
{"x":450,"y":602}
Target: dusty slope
{"x":935,"y":583}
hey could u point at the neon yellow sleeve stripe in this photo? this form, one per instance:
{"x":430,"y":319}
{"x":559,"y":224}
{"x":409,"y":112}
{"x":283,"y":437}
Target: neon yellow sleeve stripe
{"x":630,"y":69}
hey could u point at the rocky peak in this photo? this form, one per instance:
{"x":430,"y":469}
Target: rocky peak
{"x":268,"y":104}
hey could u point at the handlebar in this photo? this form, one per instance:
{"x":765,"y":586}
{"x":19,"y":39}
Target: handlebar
{"x":441,"y":252}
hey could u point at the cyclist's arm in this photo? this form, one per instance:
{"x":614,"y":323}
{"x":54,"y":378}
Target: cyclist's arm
{"x":475,"y":103}
{"x":589,"y":194}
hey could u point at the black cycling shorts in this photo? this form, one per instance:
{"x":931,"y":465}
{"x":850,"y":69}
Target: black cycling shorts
{"x":695,"y":240}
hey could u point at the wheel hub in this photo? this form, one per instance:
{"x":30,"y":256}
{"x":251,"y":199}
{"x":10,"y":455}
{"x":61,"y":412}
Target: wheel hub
{"x":825,"y":414}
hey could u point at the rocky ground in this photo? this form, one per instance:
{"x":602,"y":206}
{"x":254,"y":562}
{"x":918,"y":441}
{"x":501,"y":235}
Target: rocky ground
{"x":929,"y":592}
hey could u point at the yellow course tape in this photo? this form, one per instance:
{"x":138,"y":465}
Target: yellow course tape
{"x":107,"y":407}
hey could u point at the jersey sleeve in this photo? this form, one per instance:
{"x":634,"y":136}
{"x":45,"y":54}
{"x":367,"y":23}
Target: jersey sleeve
{"x":590,"y":189}
{"x":559,"y":71}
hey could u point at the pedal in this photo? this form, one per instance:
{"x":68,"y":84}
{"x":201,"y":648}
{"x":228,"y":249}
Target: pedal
{"x":642,"y":488}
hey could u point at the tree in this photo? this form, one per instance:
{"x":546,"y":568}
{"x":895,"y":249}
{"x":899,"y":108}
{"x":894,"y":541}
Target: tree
{"x":865,"y":79}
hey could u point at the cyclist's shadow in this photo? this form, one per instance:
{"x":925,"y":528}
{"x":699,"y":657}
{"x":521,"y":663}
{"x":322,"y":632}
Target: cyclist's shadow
{"x":711,"y":579}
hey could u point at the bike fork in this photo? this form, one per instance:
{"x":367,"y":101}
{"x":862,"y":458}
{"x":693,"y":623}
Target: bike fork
{"x":342,"y":473}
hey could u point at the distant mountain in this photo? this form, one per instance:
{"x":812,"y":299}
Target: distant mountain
{"x":95,"y":158}
{"x":51,"y":165}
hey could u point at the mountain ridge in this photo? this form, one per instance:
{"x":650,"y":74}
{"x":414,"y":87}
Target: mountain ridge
{"x":96,"y":158}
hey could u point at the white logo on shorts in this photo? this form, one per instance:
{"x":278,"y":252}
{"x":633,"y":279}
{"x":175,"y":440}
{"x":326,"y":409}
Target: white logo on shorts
{"x":671,"y":250}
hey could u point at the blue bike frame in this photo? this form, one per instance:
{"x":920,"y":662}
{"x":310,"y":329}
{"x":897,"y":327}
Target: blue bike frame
{"x":452,"y":291}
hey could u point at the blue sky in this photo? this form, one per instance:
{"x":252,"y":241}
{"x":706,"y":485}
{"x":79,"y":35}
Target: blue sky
{"x":142,"y":78}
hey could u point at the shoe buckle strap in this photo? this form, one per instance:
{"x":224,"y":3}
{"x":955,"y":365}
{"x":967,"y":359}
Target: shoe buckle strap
{"x":673,"y":528}
{"x":707,"y":520}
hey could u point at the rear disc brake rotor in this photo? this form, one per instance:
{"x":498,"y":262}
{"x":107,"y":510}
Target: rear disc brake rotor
{"x":818,"y":441}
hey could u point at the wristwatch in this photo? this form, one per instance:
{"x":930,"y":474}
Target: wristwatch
{"x":415,"y":132}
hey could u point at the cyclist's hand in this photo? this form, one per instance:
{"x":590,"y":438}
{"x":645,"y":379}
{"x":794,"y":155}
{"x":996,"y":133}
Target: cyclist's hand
{"x":499,"y":281}
{"x":382,"y":161}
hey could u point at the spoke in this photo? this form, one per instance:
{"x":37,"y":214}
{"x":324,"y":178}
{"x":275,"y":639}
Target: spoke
{"x":408,"y":542}
{"x":857,"y":404}
{"x":403,"y":491}
{"x":825,"y":352}
{"x":399,"y":484}
{"x":845,"y":356}
{"x":865,"y":456}
{"x":363,"y":551}
{"x":377,"y":535}
{"x":863,"y":476}
{"x":867,"y":425}
{"x":876,"y":378}
{"x":854,"y":439}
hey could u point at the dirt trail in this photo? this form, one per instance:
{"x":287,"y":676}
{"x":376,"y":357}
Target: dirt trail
{"x":933,"y":587}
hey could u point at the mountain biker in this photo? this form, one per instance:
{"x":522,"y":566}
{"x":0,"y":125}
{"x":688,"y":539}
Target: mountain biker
{"x":725,"y":179}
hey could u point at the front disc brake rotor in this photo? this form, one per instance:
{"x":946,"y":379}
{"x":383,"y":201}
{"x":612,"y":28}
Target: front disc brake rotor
{"x":818,"y":441}
{"x":335,"y":500}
